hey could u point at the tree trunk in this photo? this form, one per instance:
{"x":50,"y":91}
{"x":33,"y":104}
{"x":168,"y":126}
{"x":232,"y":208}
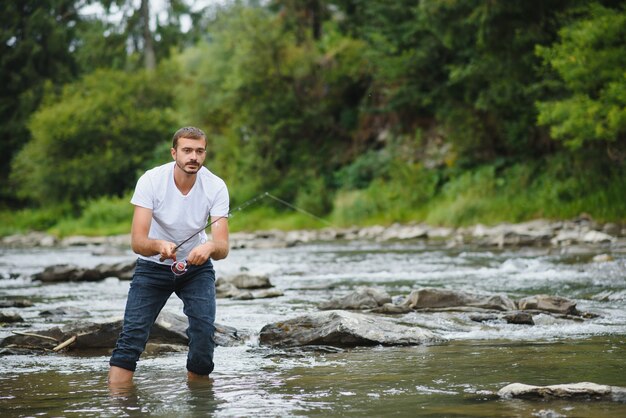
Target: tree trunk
{"x":148,"y":52}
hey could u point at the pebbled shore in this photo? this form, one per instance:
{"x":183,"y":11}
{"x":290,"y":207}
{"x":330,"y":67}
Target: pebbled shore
{"x":540,"y":232}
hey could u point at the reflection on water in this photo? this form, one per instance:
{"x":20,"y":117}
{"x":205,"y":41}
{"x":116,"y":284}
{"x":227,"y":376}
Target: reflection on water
{"x":458,"y":378}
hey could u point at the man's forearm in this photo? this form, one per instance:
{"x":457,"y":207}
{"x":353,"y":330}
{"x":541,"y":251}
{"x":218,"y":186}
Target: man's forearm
{"x":146,"y":246}
{"x":220,"y":250}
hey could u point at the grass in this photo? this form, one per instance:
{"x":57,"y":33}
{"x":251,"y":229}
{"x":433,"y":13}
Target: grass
{"x":553,"y":188}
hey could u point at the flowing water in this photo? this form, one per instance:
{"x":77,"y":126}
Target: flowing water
{"x":458,"y":378}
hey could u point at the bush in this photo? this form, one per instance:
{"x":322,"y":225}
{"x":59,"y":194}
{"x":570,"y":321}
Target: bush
{"x":91,"y":140}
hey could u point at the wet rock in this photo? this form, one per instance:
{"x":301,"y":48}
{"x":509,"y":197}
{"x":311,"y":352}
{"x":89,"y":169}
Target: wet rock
{"x":484,"y":317}
{"x":342,"y":329}
{"x":547,"y":303}
{"x":73,"y":273}
{"x":582,"y":390}
{"x":612,"y":229}
{"x":246,"y":287}
{"x":14,"y":351}
{"x":10,"y":318}
{"x":602,"y":258}
{"x":442,"y":298}
{"x":29,"y":240}
{"x":65,"y":311}
{"x":123,"y":270}
{"x":360,"y":299}
{"x":158,"y":348}
{"x":392,"y":309}
{"x":243,"y":295}
{"x":226,"y":290}
{"x":404,"y":232}
{"x":520,"y":318}
{"x":267,"y":293}
{"x":15,"y":303}
{"x":596,"y":237}
{"x":246,"y":281}
{"x":537,"y":232}
{"x":168,"y":329}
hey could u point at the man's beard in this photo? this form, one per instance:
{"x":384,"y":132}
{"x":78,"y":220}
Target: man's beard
{"x":189,"y":168}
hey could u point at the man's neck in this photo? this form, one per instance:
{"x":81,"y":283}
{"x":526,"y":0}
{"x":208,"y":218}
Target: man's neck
{"x":183,"y":181}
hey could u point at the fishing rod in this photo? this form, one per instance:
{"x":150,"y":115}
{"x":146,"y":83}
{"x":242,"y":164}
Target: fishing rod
{"x":180,"y":267}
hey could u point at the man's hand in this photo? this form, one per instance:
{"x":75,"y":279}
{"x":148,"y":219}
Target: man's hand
{"x":166,"y":249}
{"x":216,"y":249}
{"x":201,"y":253}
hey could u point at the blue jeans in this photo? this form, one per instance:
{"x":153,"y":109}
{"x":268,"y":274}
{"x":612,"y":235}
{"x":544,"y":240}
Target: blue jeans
{"x":151,"y":287}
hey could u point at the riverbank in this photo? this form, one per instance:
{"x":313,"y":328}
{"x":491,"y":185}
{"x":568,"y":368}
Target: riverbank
{"x":540,"y":232}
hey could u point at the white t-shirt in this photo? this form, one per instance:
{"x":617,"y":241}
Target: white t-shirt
{"x":175,"y":216}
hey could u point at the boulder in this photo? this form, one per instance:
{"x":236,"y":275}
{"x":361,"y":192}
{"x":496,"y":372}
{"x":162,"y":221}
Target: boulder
{"x":518,"y":318}
{"x":168,"y":329}
{"x":15,"y":303}
{"x":342,"y":329}
{"x":582,"y":390}
{"x":73,"y":273}
{"x":10,"y":318}
{"x":441,"y":298}
{"x":554,"y":304}
{"x":64,"y":312}
{"x":246,"y":287}
{"x":246,"y":281}
{"x":360,"y":299}
{"x":29,"y":240}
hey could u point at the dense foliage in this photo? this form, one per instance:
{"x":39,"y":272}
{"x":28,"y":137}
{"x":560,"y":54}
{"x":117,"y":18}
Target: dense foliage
{"x":366,"y":111}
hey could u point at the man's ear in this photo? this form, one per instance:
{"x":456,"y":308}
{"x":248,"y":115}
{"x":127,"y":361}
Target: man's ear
{"x":173,"y":152}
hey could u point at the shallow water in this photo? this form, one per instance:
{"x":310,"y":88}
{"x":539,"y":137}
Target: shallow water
{"x":457,"y":378}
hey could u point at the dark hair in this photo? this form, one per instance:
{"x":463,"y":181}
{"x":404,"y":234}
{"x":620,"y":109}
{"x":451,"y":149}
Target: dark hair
{"x":187,"y":132}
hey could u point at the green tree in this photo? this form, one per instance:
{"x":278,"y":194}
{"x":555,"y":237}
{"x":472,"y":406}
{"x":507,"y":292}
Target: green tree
{"x":92,"y":139}
{"x":590,"y":59}
{"x":148,"y":36}
{"x":36,"y":38}
{"x":280,"y":112}
{"x":462,"y":70}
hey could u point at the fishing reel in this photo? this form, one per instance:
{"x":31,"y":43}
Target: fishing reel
{"x":179,"y":267}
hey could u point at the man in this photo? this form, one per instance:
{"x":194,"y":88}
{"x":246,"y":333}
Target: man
{"x":172,"y":203}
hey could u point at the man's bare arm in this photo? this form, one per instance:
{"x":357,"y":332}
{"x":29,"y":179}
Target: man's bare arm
{"x":219,"y":234}
{"x":217,"y":248}
{"x":139,"y":241}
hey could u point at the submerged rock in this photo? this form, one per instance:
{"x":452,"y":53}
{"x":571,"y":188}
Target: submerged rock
{"x":582,"y":390}
{"x":342,"y":329}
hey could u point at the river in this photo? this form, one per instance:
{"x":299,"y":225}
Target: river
{"x":458,"y":378}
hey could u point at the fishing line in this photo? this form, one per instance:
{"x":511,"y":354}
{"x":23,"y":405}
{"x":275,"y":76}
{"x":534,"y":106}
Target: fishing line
{"x":180,"y":267}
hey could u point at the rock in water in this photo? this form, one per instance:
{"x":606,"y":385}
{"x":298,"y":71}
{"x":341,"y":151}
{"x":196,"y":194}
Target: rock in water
{"x":554,"y":304}
{"x":360,"y":299}
{"x":342,"y":329}
{"x":582,"y":390}
{"x":428,"y":297}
